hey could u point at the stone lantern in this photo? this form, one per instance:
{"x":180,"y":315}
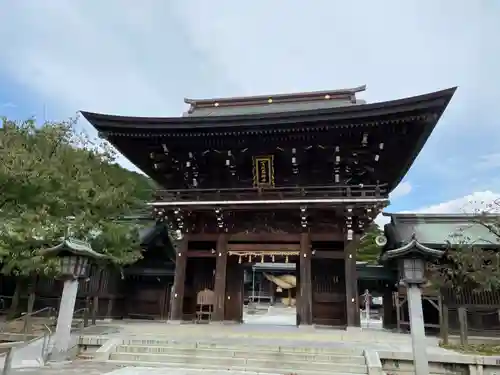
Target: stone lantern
{"x":74,"y":256}
{"x":411,"y":260}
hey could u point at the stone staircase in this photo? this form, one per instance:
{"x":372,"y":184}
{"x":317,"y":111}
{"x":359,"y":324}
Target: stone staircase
{"x":239,"y":357}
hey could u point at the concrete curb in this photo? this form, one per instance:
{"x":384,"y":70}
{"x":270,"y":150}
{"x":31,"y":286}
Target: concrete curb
{"x":104,"y":352}
{"x":373,"y":362}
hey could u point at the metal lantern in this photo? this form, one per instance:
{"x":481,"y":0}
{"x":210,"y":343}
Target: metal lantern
{"x":411,"y":260}
{"x":75,"y":265}
{"x":74,"y":256}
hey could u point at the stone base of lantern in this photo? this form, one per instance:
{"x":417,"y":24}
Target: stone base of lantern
{"x":62,"y":337}
{"x":417,"y":328}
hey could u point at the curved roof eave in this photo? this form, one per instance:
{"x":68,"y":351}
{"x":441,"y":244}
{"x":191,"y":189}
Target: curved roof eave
{"x":438,"y":99}
{"x":411,"y":247}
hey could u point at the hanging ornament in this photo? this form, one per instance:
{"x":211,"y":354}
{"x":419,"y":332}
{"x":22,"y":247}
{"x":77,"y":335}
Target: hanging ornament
{"x":250,"y":258}
{"x":272,"y":257}
{"x":286,"y":259}
{"x":239,"y":259}
{"x":262,"y":258}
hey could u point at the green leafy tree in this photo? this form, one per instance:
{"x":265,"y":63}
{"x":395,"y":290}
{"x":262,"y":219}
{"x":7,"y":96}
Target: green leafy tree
{"x":55,"y":182}
{"x":368,"y":250}
{"x":467,"y":265}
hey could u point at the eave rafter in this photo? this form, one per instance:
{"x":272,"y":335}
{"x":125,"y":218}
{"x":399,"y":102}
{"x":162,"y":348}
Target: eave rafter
{"x":293,"y":129}
{"x":268,"y":218}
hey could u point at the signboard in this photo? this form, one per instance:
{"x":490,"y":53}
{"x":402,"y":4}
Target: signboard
{"x":263,"y":171}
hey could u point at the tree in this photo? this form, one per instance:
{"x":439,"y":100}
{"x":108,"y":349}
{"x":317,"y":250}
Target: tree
{"x":467,"y":265}
{"x":55,"y":182}
{"x":368,"y":250}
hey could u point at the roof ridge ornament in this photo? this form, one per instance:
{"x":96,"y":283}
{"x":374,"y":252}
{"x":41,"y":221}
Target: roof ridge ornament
{"x":301,"y":95}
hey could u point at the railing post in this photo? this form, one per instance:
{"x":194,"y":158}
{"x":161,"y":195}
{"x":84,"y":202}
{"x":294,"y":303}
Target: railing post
{"x":462,"y":318}
{"x":8,"y":362}
{"x":86,"y":312}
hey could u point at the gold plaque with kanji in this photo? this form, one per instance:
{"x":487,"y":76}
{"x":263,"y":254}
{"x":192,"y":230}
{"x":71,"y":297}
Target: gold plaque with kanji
{"x":263,"y":171}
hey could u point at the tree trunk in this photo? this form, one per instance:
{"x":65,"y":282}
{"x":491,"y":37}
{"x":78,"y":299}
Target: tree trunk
{"x":28,"y":319}
{"x":14,"y":306}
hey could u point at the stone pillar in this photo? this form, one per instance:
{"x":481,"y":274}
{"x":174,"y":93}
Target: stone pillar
{"x":220,"y":278}
{"x":305,"y":305}
{"x":62,"y":337}
{"x":417,"y":329}
{"x":351,"y":282}
{"x":179,"y":281}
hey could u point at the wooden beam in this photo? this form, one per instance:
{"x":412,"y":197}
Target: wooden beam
{"x":263,"y":247}
{"x":327,"y":237}
{"x":305,"y":305}
{"x":268,"y":237}
{"x":265,"y":237}
{"x":179,"y":279}
{"x":200,"y":254}
{"x":220,"y":278}
{"x":329,"y":255}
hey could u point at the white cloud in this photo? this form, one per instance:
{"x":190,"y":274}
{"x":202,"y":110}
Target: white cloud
{"x":473,"y":203}
{"x":114,"y":56}
{"x":128,"y":57}
{"x":404,"y":188}
{"x":490,"y":161}
{"x":381,"y":220}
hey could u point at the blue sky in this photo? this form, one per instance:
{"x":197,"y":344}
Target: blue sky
{"x":142,"y":58}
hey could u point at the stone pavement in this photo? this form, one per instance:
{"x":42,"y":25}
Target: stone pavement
{"x":70,"y":368}
{"x":259,"y":333}
{"x":280,"y":316}
{"x":94,"y":368}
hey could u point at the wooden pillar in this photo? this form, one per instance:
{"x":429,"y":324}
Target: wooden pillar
{"x":95,"y":309}
{"x":398,"y":311}
{"x":109,"y":311}
{"x":234,"y":291}
{"x":462,"y":319}
{"x":351,"y":282}
{"x":179,"y":279}
{"x":305,"y":305}
{"x":443,"y":320}
{"x":270,"y":286}
{"x":220,"y":278}
{"x":388,"y":306}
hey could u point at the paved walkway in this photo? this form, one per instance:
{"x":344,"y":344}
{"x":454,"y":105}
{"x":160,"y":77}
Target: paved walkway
{"x":93,"y":368}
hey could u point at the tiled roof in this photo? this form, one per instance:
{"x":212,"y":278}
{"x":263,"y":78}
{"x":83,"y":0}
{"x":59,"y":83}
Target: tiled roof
{"x":439,"y":230}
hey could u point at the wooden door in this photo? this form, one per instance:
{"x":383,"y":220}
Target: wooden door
{"x":149,"y":299}
{"x":328,"y":287}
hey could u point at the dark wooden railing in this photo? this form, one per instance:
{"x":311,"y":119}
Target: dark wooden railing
{"x":469,"y":297}
{"x":292,"y":192}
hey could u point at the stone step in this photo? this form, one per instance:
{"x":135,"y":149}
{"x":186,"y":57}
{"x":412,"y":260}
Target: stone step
{"x":283,"y":354}
{"x":248,"y":346}
{"x":252,"y":364}
{"x":203,"y":369}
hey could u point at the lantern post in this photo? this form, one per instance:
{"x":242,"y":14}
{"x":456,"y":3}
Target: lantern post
{"x":74,"y":257}
{"x":411,"y":262}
